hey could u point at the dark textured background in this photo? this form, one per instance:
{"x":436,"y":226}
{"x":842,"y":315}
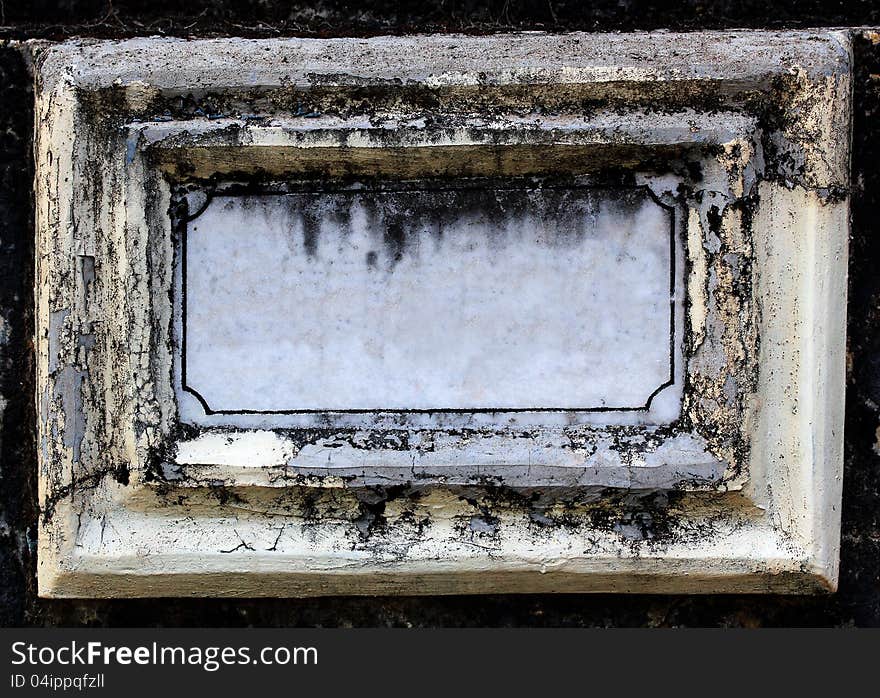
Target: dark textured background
{"x":858,"y":600}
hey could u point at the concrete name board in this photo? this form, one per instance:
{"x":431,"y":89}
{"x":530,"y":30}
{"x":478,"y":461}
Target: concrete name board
{"x":441,"y":314}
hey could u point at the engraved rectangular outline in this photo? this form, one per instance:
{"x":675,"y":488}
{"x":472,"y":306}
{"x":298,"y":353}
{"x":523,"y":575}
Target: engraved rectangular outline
{"x":181,"y":299}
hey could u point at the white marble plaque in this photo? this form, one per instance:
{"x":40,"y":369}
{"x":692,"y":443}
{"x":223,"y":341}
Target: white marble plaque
{"x":430,"y":299}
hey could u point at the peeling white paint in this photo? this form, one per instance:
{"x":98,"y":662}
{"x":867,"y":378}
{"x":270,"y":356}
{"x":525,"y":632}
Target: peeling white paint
{"x":762,"y":422}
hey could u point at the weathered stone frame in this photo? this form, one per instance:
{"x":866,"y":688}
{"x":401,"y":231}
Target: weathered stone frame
{"x":764,"y":116}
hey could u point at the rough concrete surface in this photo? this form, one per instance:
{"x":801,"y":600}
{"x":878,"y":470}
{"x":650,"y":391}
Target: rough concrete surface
{"x":856,"y":603}
{"x":765,"y":383}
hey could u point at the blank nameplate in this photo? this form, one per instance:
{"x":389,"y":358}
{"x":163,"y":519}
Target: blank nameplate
{"x":430,"y":299}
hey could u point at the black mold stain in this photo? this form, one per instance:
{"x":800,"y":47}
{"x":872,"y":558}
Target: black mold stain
{"x":311,"y":225}
{"x":397,"y":213}
{"x":714,"y":218}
